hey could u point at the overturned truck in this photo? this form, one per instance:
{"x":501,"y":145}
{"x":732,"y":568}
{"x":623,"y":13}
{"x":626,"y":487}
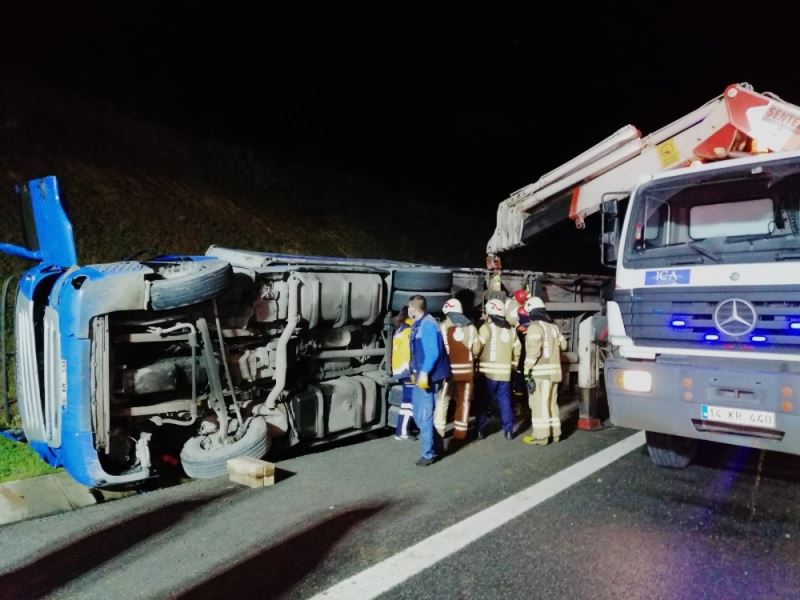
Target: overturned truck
{"x":120,"y":366}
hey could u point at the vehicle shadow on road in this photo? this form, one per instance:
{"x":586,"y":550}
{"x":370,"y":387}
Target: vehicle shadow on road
{"x":53,"y":570}
{"x":272,"y":572}
{"x":279,"y":452}
{"x":775,"y":465}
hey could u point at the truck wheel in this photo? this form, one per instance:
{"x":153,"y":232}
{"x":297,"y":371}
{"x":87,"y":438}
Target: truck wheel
{"x":671,"y":451}
{"x":189,"y":282}
{"x":204,"y":463}
{"x":435,"y":300}
{"x":423,"y":280}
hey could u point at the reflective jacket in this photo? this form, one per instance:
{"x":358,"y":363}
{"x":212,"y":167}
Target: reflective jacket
{"x":543,"y":346}
{"x":462,"y":343}
{"x":428,"y":353}
{"x":501,"y":349}
{"x":401,"y":351}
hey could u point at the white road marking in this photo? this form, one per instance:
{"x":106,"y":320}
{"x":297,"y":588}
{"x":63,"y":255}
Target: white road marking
{"x":396,"y":569}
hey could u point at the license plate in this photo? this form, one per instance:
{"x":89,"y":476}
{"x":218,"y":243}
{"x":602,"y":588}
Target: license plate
{"x":738,"y":416}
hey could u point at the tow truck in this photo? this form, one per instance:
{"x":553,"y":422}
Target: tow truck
{"x":700,"y":221}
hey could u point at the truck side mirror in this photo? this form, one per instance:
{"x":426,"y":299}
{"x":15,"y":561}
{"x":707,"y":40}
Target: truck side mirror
{"x":48,"y":231}
{"x":609,"y":231}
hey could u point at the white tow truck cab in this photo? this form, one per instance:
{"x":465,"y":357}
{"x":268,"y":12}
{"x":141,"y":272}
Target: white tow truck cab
{"x":705,"y":318}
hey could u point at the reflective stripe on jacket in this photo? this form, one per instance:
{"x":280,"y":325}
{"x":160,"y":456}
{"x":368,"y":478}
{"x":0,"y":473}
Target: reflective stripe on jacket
{"x":543,"y":346}
{"x":501,"y":349}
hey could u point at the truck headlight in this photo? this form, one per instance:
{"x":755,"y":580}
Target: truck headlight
{"x":634,"y":381}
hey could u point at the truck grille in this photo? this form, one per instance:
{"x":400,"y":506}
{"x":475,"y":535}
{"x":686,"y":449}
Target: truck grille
{"x":684,"y":318}
{"x":29,"y":398}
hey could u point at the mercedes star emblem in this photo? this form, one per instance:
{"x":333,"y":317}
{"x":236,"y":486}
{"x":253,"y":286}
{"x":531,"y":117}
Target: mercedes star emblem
{"x":735,"y":317}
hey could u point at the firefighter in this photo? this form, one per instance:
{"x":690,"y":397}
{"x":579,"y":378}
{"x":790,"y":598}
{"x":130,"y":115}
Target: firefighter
{"x":401,"y":370}
{"x":516,"y":316}
{"x":518,"y":304}
{"x":495,"y":289}
{"x":543,"y":346}
{"x":462,"y":344}
{"x":499,"y":356}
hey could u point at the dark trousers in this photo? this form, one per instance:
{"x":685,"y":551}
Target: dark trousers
{"x":494,"y":394}
{"x":405,"y":419}
{"x":424,"y":401}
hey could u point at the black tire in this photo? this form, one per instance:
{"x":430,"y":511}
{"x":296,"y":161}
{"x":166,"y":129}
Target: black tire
{"x":396,"y":395}
{"x":423,"y":280}
{"x":392,"y":416}
{"x":435,"y":300}
{"x":671,"y":451}
{"x":189,"y":282}
{"x":200,"y":463}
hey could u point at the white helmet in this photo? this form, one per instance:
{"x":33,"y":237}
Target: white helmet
{"x":533,"y":303}
{"x":495,"y":308}
{"x":452,"y":305}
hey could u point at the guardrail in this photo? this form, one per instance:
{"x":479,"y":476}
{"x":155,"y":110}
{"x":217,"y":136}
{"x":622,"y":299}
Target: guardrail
{"x":5,"y":354}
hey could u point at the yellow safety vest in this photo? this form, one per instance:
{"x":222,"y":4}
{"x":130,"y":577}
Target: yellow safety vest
{"x":401,"y":351}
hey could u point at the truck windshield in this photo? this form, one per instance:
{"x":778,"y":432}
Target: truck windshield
{"x":743,"y":214}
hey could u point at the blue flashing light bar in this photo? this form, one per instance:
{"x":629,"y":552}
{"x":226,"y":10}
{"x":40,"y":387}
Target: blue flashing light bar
{"x":711,"y":337}
{"x":794,"y":325}
{"x":682,"y":323}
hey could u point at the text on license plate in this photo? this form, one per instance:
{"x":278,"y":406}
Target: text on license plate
{"x":738,"y":416}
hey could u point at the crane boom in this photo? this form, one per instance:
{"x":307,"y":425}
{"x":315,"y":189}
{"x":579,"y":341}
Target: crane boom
{"x":738,"y":122}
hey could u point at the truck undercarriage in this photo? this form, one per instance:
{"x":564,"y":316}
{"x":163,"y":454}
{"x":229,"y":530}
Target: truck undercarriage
{"x":124,"y":367}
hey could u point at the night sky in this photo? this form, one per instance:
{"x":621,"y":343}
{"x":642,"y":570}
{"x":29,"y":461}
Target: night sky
{"x":467,"y":105}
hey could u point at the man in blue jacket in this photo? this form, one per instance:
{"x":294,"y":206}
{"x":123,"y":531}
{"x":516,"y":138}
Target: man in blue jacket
{"x":429,"y":368}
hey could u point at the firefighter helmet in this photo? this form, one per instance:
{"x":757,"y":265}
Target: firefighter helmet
{"x":533,"y":303}
{"x":452,"y":305}
{"x":495,"y":308}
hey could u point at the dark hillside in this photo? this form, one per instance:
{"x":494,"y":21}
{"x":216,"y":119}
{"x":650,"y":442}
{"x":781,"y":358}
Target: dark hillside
{"x":132,"y":185}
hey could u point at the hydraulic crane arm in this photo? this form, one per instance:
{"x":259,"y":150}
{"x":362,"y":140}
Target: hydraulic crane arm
{"x":740,"y":121}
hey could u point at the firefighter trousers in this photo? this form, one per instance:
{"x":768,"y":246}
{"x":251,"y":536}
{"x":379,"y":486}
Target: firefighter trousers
{"x":462,"y":392}
{"x":494,"y":393}
{"x":545,"y":419}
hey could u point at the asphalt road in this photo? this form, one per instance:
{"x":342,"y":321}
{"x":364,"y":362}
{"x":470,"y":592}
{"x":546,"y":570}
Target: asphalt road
{"x":726,"y":527}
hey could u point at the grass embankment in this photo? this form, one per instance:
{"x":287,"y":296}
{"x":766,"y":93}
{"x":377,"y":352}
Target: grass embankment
{"x":18,"y":461}
{"x":131,"y":185}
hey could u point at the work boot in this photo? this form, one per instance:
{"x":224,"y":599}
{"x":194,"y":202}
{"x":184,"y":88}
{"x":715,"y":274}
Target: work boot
{"x":532,"y":441}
